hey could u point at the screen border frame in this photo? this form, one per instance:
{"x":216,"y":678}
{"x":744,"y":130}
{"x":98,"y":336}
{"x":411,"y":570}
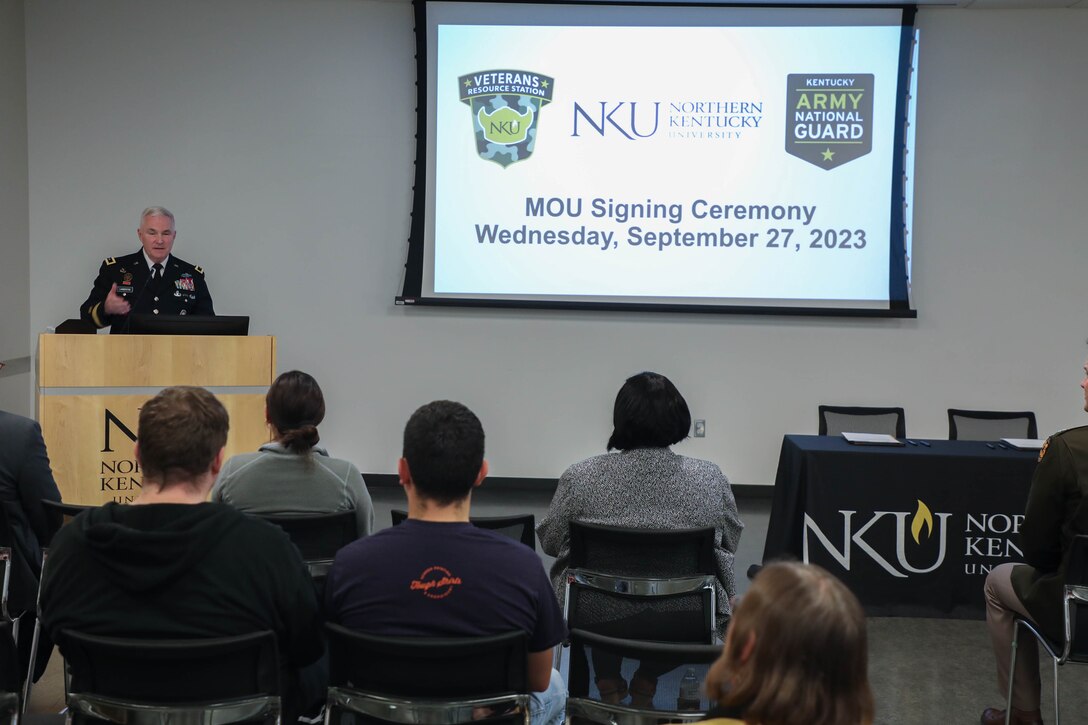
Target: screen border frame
{"x":899,"y":284}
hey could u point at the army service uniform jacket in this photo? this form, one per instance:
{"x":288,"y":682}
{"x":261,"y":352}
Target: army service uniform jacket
{"x":181,"y":291}
{"x":1057,"y":511}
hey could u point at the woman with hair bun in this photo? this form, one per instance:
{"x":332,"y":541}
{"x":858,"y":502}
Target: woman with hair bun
{"x":293,"y":474}
{"x":796,"y":653}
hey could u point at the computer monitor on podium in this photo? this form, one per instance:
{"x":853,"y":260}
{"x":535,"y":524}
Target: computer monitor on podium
{"x":140,"y":324}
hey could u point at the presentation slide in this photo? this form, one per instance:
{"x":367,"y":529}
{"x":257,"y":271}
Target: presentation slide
{"x":695,"y":156}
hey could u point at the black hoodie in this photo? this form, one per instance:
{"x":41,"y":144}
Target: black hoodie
{"x":179,"y":571}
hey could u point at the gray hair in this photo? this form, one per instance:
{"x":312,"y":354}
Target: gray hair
{"x":156,"y":211}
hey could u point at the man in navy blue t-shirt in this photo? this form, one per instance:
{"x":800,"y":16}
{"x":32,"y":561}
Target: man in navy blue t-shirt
{"x":438,"y":575}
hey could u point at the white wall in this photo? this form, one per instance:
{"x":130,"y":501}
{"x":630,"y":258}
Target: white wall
{"x":14,"y":246}
{"x":281,"y":134}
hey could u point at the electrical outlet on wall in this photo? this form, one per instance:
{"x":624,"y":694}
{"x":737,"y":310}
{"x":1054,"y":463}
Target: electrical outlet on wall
{"x":700,"y":429}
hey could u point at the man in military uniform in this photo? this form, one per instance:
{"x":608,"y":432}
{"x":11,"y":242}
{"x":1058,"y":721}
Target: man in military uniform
{"x":151,"y":281}
{"x":1057,"y":511}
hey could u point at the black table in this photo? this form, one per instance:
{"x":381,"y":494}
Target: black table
{"x":912,"y":530}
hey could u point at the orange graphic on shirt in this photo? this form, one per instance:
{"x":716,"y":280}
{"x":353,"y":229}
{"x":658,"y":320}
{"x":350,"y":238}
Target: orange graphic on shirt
{"x":436,"y":582}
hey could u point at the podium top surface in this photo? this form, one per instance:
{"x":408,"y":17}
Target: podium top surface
{"x":93,"y":361}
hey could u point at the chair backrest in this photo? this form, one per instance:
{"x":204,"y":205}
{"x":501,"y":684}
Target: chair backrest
{"x":520,"y":527}
{"x":673,"y":662}
{"x":680,"y":609}
{"x":19,"y":583}
{"x":172,"y":670}
{"x":61,"y":513}
{"x":642,"y":552}
{"x":646,"y":584}
{"x":9,"y":669}
{"x":317,"y":536}
{"x":1076,"y":601}
{"x":69,"y":510}
{"x":838,"y":419}
{"x":990,"y":425}
{"x":428,"y":667}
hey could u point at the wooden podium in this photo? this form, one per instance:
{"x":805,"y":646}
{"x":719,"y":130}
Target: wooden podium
{"x":91,"y":387}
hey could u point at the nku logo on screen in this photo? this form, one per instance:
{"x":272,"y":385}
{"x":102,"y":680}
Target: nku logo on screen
{"x":505,"y":108}
{"x":682,"y":119}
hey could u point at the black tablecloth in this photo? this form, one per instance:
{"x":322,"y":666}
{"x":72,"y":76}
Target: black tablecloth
{"x":912,"y":530}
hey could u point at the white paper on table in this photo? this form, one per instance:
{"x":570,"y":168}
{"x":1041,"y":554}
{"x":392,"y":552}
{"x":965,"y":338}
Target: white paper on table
{"x":1024,"y":444}
{"x":872,"y":439}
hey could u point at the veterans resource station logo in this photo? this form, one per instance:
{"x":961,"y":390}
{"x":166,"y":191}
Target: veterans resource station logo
{"x":829,"y":117}
{"x":505,"y":108}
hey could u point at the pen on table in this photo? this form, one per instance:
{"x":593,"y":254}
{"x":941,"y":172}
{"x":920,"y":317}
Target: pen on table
{"x":910,"y":442}
{"x":924,"y":444}
{"x":991,"y":446}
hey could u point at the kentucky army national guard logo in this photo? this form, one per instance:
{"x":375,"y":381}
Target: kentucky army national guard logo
{"x":505,"y":108}
{"x":829,"y":117}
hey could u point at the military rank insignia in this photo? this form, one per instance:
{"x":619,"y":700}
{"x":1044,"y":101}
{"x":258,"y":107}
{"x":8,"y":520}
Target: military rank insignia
{"x":1042,"y":451}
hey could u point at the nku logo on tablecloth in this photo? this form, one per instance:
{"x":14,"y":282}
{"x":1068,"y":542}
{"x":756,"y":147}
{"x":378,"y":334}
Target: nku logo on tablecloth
{"x":829,"y":117}
{"x":901,"y":548}
{"x":923,"y":528}
{"x":505,"y":108}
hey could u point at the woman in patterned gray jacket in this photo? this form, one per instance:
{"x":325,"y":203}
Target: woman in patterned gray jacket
{"x":641,"y":483}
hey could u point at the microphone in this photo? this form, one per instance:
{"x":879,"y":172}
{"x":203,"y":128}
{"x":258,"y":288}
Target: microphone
{"x":132,"y":303}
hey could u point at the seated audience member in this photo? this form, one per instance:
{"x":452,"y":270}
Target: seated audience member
{"x":644,"y":485}
{"x":25,"y":481}
{"x":293,"y":474}
{"x":172,"y":565}
{"x":1057,"y":510}
{"x":436,"y":574}
{"x":795,"y":653}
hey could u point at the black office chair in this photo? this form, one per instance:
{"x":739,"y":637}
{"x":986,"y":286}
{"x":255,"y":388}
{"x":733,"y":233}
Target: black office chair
{"x":642,"y":552}
{"x":837,"y":419}
{"x":132,"y":681}
{"x":643,"y":584}
{"x":9,"y":675}
{"x":9,"y":618}
{"x":33,"y":668}
{"x":20,"y":579}
{"x":990,"y":425}
{"x":427,"y":679}
{"x":318,"y":537}
{"x":678,"y":697}
{"x":1073,"y":647}
{"x":61,"y":514}
{"x":63,"y":511}
{"x":520,"y":527}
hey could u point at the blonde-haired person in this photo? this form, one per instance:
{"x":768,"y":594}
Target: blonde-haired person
{"x":795,"y":653}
